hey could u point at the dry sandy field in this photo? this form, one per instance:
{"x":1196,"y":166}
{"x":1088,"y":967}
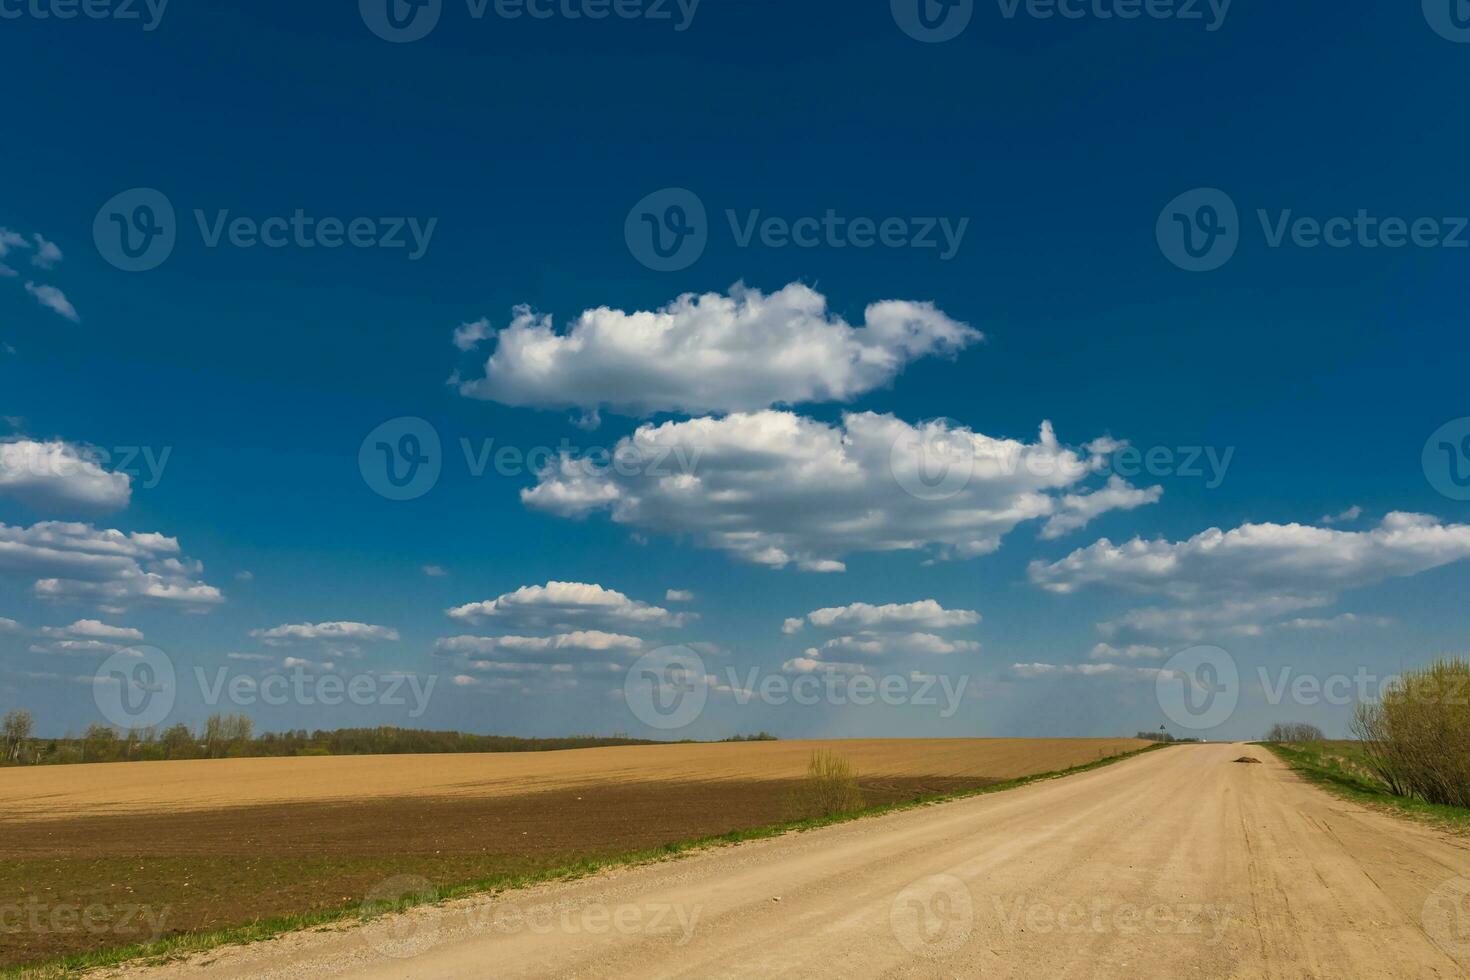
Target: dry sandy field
{"x":97,"y":856}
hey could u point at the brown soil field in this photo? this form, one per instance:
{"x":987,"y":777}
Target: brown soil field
{"x":219,"y":843}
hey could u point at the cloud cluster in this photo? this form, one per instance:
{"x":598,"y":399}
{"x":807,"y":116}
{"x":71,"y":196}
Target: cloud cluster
{"x":348,"y":632}
{"x":923,"y":614}
{"x":80,"y":561}
{"x":708,"y":353}
{"x":44,"y":255}
{"x":552,"y":635}
{"x":85,"y":636}
{"x":1239,"y":581}
{"x":776,"y":488}
{"x":1034,"y":671}
{"x":872,"y":634}
{"x":566,"y":606}
{"x":55,"y":475}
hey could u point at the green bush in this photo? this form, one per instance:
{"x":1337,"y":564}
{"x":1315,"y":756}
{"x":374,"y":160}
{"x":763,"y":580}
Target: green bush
{"x":1417,"y":737}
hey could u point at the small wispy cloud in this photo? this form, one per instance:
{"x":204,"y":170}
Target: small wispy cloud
{"x":47,"y":253}
{"x":55,"y":300}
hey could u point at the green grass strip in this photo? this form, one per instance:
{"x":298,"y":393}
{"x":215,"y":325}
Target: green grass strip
{"x":1320,"y":765}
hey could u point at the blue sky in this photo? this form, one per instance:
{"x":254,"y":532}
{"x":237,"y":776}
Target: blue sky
{"x":1055,"y":143}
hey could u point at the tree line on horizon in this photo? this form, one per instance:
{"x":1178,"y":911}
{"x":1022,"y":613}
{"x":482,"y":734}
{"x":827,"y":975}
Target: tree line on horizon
{"x":232,"y":736}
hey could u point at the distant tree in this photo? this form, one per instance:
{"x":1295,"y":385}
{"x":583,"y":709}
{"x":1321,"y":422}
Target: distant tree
{"x":1294,"y":733}
{"x":99,"y":744}
{"x":15,"y":730}
{"x":179,"y":743}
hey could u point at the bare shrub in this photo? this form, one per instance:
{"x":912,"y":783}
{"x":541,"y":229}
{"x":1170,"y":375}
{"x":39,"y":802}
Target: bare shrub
{"x":1294,"y":733}
{"x":829,"y":787}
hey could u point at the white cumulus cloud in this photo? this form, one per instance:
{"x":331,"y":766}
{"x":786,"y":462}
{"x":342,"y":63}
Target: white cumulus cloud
{"x":325,"y":632}
{"x":94,"y":629}
{"x":775,"y":488}
{"x":566,"y":606}
{"x":1235,"y":581}
{"x":54,"y":475}
{"x":709,"y":353}
{"x":925,"y":614}
{"x":80,"y":561}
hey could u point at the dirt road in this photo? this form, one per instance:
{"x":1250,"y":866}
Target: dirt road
{"x":1179,"y":863}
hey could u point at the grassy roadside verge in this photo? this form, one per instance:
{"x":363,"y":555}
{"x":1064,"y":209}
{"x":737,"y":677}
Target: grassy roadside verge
{"x":182,"y":945}
{"x":1336,"y":768}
